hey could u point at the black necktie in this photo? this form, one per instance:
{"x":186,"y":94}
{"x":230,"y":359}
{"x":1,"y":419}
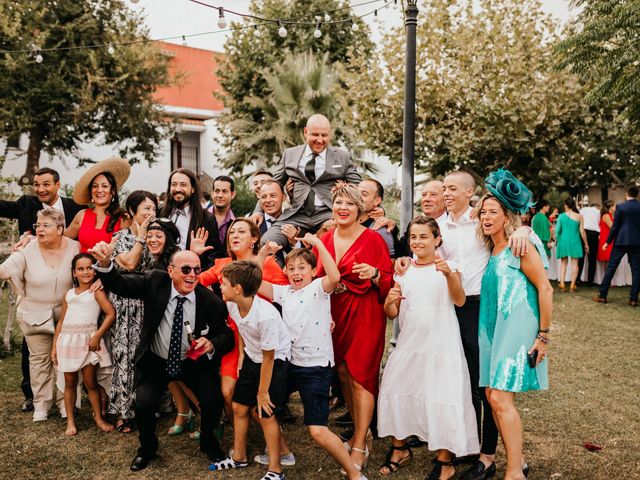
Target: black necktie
{"x":310,"y":172}
{"x":175,"y":344}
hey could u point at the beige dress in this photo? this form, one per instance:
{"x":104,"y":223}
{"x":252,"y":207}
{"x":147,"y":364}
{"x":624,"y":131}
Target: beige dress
{"x":40,"y":289}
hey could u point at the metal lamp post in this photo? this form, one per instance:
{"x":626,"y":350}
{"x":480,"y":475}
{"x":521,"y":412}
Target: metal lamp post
{"x":409,"y":124}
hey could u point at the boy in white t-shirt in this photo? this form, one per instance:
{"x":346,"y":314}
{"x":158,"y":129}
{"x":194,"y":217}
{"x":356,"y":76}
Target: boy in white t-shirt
{"x":265,"y":349}
{"x":306,"y":311}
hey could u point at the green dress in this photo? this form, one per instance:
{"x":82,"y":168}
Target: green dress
{"x":508,"y":326}
{"x":542,"y":227}
{"x":568,"y":235}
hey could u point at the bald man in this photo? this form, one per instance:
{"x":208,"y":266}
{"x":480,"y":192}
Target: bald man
{"x":314,"y":169}
{"x":179,"y":313}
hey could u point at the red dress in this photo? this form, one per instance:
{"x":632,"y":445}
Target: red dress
{"x":89,"y":235}
{"x":604,"y":255}
{"x":271,"y":272}
{"x":358,"y":312}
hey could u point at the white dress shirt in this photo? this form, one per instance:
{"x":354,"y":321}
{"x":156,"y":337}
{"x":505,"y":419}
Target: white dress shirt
{"x":591,"y":216}
{"x":162,"y":338}
{"x":58,"y":206}
{"x":181,"y":218}
{"x":321,"y":160}
{"x":460,"y":243}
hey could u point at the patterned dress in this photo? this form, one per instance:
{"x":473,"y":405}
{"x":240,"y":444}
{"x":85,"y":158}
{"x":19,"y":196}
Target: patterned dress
{"x":126,"y":333}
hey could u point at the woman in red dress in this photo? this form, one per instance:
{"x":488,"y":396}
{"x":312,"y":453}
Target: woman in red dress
{"x":243,"y":243}
{"x":357,"y":308}
{"x":606,"y":221}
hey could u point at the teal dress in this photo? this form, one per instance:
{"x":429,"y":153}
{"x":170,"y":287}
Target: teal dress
{"x":568,"y":235}
{"x":508,"y":326}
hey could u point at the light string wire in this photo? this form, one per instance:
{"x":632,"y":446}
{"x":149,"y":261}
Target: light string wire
{"x":264,"y":21}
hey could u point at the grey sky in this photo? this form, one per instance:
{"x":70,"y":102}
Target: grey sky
{"x":168,"y":18}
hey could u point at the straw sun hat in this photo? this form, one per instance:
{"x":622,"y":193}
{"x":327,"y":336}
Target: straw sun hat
{"x":116,"y":166}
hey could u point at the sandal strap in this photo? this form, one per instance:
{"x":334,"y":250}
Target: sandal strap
{"x":360,"y":450}
{"x":402,"y":447}
{"x":227,"y":464}
{"x":185,"y":414}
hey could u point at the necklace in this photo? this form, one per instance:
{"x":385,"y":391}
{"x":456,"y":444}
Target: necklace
{"x":423,"y":264}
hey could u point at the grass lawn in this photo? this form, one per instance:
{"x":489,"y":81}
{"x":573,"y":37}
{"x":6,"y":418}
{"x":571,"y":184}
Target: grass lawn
{"x":595,"y":381}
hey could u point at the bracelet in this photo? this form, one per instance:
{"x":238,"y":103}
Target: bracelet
{"x":546,"y":330}
{"x":544,"y":340}
{"x":376,"y":272}
{"x":141,"y":241}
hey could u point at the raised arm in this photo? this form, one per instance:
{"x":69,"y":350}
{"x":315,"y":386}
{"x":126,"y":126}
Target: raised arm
{"x":332,"y":277}
{"x":269,"y":248}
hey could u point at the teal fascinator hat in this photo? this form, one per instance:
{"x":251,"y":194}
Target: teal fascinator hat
{"x":510,"y":191}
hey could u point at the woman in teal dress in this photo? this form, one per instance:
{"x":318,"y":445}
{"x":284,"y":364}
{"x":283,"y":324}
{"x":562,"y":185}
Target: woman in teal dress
{"x":569,"y":230}
{"x":516,"y":303}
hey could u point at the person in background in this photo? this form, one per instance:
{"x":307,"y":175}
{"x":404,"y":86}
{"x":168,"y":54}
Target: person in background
{"x":46,"y":189}
{"x":569,"y":231}
{"x":606,"y":222}
{"x":591,"y":223}
{"x":223,"y":193}
{"x":372,"y":193}
{"x":258,"y":179}
{"x":542,"y":226}
{"x":271,"y":200}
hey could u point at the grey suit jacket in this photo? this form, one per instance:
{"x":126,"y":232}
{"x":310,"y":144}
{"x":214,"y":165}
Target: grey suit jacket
{"x":338,"y":166}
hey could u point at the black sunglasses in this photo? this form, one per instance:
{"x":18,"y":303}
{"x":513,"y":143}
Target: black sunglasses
{"x":186,"y":269}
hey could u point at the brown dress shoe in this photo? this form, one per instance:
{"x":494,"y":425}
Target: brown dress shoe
{"x":600,"y":300}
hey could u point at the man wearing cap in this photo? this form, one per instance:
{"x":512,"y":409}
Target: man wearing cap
{"x":46,"y":185}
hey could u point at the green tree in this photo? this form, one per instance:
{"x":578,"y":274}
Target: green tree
{"x":605,"y":52}
{"x":64,"y":97}
{"x":255,"y":55}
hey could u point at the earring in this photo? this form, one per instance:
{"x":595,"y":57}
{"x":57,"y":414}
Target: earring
{"x":252,"y":245}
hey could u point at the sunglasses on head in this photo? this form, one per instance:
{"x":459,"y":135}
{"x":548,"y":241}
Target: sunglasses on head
{"x":186,"y":269}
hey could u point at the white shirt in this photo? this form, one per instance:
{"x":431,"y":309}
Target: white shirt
{"x":270,"y":220}
{"x":181,"y":218}
{"x":307,"y":315}
{"x":162,"y":338}
{"x":460,"y":243}
{"x":262,"y":329}
{"x":591,"y":216}
{"x":321,"y":159}
{"x":58,"y":206}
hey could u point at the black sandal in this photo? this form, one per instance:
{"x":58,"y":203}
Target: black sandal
{"x":125,"y":425}
{"x":437,"y":469}
{"x":395,"y":466}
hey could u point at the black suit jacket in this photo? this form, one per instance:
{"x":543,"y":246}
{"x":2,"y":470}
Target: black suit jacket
{"x":625,"y":231}
{"x":208,"y":258}
{"x":25,"y":210}
{"x":155,"y":288}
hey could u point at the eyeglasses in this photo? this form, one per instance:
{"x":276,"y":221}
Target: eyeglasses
{"x":42,"y":225}
{"x":186,"y":269}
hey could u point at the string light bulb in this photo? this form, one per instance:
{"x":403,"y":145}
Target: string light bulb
{"x":354,"y":26}
{"x":282,"y":31}
{"x":327,"y":17}
{"x":222,"y":21}
{"x":134,"y":1}
{"x":317,"y":32}
{"x":39,"y":58}
{"x":111,"y":50}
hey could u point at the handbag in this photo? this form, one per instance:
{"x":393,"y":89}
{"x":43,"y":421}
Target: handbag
{"x":35,"y":322}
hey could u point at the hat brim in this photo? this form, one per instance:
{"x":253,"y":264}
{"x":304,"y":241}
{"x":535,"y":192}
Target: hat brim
{"x":118,"y":167}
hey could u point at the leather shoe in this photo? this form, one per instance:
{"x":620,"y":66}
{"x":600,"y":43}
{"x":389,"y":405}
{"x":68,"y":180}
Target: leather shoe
{"x":633,"y":303}
{"x":600,"y":300}
{"x":479,"y":472}
{"x":215,"y":454}
{"x":140,"y":463}
{"x":27,"y":405}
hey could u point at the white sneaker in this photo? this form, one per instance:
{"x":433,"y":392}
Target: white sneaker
{"x":63,"y":412}
{"x":40,"y":415}
{"x":288,"y":460}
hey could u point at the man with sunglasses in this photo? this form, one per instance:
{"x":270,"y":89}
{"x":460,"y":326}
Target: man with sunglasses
{"x":183,"y":337}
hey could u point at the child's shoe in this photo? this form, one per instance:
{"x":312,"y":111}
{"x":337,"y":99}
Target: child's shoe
{"x":227,"y":463}
{"x":288,"y":460}
{"x":273,"y":476}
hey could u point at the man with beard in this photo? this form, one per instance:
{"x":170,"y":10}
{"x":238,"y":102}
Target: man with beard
{"x":184,"y":209}
{"x":46,"y":184}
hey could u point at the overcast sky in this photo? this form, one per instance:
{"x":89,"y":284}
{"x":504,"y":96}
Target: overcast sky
{"x":168,"y":18}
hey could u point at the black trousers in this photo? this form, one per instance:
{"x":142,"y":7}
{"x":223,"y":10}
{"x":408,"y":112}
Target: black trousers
{"x":25,"y":385}
{"x":617,"y":254}
{"x":152,"y":380}
{"x":592,"y":256}
{"x":468,"y":316}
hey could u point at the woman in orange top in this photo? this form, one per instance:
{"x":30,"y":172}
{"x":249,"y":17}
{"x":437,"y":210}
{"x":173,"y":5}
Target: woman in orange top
{"x":243,"y":243}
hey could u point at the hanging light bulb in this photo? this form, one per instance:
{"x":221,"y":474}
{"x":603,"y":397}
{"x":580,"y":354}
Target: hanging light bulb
{"x":222,"y":21}
{"x":256,"y":31}
{"x":111,"y":50}
{"x":282,"y":31}
{"x":317,"y":32}
{"x":354,"y":26}
{"x":134,"y":1}
{"x":39,"y":58}
{"x":327,"y":17}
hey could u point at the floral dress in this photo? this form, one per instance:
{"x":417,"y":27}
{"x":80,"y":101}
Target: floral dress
{"x":126,"y":333}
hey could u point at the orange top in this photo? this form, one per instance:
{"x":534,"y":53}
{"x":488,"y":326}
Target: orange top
{"x":271,"y":272}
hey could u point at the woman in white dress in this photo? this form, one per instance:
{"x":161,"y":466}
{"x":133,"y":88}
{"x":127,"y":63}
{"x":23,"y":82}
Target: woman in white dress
{"x":425,"y":387}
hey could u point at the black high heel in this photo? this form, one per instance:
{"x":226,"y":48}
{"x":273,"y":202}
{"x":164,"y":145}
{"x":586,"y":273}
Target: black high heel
{"x":525,"y":470}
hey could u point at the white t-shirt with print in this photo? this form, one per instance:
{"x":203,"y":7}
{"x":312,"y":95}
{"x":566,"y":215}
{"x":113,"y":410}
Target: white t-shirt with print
{"x":262,"y":329}
{"x":307,"y":315}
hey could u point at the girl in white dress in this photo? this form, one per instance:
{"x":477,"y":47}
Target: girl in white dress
{"x":78,"y":344}
{"x":425,"y":387}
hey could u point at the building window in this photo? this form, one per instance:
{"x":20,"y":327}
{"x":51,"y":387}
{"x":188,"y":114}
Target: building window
{"x":13,"y":142}
{"x":184,"y":156}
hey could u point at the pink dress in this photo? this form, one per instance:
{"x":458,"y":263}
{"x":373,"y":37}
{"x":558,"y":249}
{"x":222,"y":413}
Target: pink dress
{"x":79,"y":324}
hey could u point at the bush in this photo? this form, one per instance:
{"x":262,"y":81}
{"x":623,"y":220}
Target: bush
{"x":245,"y":200}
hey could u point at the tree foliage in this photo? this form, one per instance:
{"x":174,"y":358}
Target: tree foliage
{"x":605,"y":52}
{"x":488,"y":95}
{"x":255,"y":58}
{"x":77,"y":94}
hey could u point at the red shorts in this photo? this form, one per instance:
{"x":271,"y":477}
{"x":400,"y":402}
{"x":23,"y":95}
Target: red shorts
{"x":229,"y":363}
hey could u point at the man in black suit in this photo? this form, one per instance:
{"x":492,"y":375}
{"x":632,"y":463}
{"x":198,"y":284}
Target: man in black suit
{"x":625,"y":236}
{"x":184,"y":209}
{"x":178,"y":314}
{"x":46,"y":184}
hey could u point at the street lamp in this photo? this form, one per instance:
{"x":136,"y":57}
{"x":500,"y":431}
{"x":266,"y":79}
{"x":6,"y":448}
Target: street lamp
{"x":409,"y":123}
